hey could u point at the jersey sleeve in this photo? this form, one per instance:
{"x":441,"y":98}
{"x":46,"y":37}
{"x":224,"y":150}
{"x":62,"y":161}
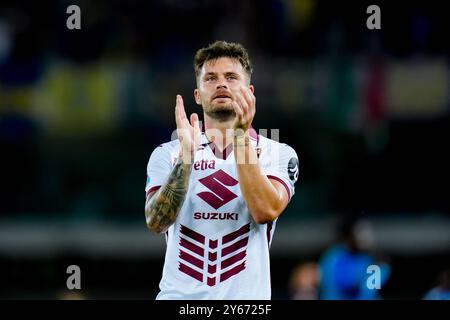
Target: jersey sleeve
{"x":158,"y":168}
{"x":284,"y":167}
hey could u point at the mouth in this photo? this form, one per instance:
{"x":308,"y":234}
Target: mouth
{"x":222,"y":96}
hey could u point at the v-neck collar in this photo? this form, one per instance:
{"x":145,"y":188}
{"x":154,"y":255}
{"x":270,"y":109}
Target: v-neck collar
{"x":223,"y":154}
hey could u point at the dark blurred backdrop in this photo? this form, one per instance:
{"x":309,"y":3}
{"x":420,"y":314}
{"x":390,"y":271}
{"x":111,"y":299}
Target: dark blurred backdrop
{"x":81,"y":110}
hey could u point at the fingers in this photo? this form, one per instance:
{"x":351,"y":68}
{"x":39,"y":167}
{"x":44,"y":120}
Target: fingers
{"x":243,"y":109}
{"x":250,"y":99}
{"x":194,"y":121}
{"x":244,"y":106}
{"x":241,"y":103}
{"x":180,"y":114}
{"x":177,"y":113}
{"x":180,"y":105}
{"x":238,"y":109}
{"x":247,"y":100}
{"x":247,"y":95}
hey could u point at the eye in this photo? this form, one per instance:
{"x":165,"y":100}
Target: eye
{"x":209,"y":78}
{"x":231,"y":77}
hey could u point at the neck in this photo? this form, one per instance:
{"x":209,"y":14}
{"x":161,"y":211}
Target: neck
{"x":220,"y":132}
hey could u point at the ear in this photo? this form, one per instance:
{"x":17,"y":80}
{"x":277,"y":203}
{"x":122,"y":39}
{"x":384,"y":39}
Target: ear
{"x":252,"y":88}
{"x":197,"y":97}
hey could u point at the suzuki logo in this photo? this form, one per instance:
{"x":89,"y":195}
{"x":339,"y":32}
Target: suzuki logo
{"x":220,"y":194}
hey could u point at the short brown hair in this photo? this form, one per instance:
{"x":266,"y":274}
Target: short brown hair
{"x":220,"y":49}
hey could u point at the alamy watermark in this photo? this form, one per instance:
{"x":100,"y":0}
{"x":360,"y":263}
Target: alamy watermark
{"x":251,"y":137}
{"x":74,"y":280}
{"x":374,"y":20}
{"x":374,"y":280}
{"x":74,"y":20}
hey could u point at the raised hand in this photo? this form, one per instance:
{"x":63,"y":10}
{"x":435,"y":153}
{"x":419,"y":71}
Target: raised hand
{"x":244,"y":105}
{"x":189,"y":133}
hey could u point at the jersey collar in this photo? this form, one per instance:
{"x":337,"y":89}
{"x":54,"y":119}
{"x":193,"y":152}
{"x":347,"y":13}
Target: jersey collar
{"x":205,"y":143}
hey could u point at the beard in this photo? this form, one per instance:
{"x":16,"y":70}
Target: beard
{"x":220,"y":112}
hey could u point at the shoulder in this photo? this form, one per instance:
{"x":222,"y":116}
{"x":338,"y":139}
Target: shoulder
{"x":173,"y":144}
{"x":275,"y":147}
{"x":267,"y":142}
{"x":167,"y":147}
{"x":165,"y":151}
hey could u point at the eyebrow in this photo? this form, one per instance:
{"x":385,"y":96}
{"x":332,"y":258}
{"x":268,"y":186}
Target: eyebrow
{"x":228,"y":73}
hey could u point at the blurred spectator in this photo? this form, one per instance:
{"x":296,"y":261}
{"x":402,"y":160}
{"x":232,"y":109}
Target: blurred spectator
{"x":344,"y":266}
{"x":70,"y":295}
{"x":441,"y":291}
{"x":304,"y":282}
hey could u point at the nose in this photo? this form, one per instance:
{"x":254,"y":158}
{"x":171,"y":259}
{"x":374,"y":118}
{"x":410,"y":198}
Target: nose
{"x":221,"y":84}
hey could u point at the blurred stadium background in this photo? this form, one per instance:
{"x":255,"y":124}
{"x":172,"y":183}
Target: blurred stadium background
{"x":80,"y":112}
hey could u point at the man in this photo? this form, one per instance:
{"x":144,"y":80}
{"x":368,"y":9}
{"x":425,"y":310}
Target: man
{"x":345,"y":267}
{"x":218,"y":210}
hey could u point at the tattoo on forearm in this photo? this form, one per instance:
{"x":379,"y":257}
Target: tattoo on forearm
{"x":162,"y":209}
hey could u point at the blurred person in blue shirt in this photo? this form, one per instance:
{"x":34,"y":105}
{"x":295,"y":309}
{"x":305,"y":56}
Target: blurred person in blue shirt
{"x":344,"y":267}
{"x":441,"y":291}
